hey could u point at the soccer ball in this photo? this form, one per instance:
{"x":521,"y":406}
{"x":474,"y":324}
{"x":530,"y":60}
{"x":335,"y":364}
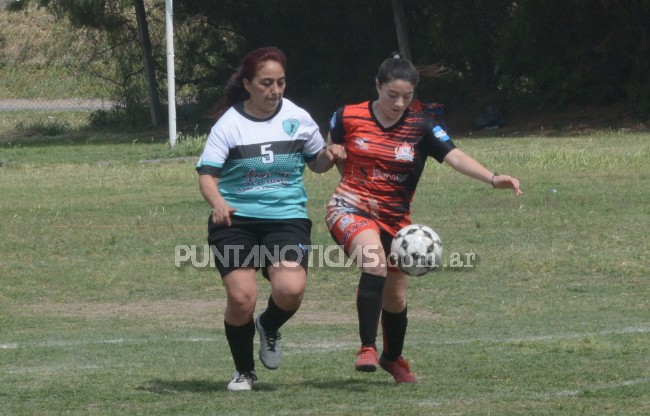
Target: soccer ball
{"x":416,"y":249}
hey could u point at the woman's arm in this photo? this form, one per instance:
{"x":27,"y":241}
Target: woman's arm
{"x":221,"y":210}
{"x":466,"y":165}
{"x":327,"y":157}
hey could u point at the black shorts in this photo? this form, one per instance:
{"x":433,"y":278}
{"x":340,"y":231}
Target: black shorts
{"x":259,"y":243}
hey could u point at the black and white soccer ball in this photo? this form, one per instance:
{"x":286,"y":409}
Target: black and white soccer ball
{"x":416,"y":250}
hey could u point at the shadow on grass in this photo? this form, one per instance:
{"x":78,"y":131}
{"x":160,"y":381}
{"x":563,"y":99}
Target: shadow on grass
{"x":159,"y":386}
{"x":162,"y":387}
{"x":359,"y":385}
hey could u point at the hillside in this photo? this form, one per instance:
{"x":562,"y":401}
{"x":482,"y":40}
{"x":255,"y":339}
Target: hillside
{"x":41,"y":57}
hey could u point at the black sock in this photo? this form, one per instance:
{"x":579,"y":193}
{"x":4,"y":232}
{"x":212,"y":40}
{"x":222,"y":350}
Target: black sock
{"x":369,"y":307}
{"x":240,"y":340}
{"x":274,"y":317}
{"x":394,"y":329}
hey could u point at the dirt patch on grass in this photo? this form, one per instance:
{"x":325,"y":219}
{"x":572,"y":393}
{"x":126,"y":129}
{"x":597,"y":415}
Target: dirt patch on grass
{"x":201,"y":313}
{"x":194,"y":312}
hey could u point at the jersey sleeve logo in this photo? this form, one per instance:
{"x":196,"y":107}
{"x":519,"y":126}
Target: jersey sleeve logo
{"x":290,"y":126}
{"x":404,"y":152}
{"x":440,"y":134}
{"x":333,"y":122}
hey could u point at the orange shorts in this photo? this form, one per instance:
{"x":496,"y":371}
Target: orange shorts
{"x":344,"y":228}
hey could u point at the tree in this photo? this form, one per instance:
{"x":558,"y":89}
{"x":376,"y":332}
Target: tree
{"x":114,"y":29}
{"x":147,"y":57}
{"x":541,"y":51}
{"x":590,"y":53}
{"x":401,"y":29}
{"x":333,"y":46}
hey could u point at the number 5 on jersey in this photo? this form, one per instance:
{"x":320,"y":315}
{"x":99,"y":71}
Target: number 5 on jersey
{"x":267,"y":154}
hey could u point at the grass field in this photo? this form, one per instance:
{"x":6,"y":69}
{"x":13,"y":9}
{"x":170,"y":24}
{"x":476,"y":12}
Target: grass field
{"x":552,"y":319}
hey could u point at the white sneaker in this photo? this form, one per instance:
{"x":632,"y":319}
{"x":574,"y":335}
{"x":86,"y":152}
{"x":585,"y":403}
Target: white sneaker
{"x":270,"y":351}
{"x":242,"y":381}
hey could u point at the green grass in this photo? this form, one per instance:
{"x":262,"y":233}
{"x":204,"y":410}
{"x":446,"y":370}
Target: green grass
{"x":95,"y":318}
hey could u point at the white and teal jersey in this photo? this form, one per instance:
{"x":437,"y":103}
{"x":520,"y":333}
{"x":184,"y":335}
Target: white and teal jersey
{"x":260,"y":163}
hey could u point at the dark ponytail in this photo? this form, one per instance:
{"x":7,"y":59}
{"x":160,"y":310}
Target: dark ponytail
{"x":397,"y":68}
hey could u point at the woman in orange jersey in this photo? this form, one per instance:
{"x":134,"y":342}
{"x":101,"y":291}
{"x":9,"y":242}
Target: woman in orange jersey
{"x":387,"y":144}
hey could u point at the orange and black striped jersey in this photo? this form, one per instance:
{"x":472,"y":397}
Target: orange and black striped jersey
{"x":383,"y":165}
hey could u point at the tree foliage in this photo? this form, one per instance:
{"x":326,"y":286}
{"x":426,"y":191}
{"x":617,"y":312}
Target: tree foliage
{"x":549,"y":53}
{"x":577,"y":52}
{"x":333,"y":47}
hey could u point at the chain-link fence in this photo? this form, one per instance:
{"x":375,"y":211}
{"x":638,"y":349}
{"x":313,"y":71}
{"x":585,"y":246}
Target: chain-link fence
{"x":42,"y":64}
{"x":42,"y":104}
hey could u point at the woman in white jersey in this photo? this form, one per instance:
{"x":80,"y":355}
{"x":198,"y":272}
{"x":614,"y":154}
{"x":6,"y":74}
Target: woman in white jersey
{"x":250,"y":174}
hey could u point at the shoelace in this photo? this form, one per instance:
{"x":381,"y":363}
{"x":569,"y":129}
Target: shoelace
{"x":271,"y":339}
{"x":366,"y":351}
{"x":404,"y":364}
{"x":243,"y":376}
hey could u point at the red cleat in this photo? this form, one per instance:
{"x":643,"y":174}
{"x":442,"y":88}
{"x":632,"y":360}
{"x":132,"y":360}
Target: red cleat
{"x":399,"y":369}
{"x":367,"y":361}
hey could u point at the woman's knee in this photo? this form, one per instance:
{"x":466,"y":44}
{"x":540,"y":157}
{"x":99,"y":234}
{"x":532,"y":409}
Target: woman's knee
{"x":241,"y":290}
{"x":375,"y":263}
{"x":288,"y":286}
{"x":242,"y":302}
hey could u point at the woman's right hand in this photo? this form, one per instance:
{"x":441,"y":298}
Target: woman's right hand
{"x":222,"y":212}
{"x":336,"y":152}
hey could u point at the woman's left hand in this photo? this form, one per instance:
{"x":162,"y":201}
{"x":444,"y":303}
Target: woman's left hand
{"x":505,"y":181}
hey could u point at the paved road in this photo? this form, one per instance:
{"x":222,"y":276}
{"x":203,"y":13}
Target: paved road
{"x":57,"y":105}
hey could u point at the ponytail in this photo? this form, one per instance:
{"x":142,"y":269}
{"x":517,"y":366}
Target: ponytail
{"x":396,"y":67}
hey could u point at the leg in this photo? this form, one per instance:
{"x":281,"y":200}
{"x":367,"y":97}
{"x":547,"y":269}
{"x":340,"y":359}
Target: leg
{"x":394,"y":319}
{"x":241,"y":296}
{"x":369,"y":295}
{"x":285,"y":266}
{"x":394,"y":322}
{"x":371,"y":284}
{"x":362,"y":240}
{"x":288,"y":282}
{"x":240,"y":282}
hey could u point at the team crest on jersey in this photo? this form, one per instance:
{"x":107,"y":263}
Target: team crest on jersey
{"x":361,"y":143}
{"x":404,"y":152}
{"x":290,"y":126}
{"x":345,"y":222}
